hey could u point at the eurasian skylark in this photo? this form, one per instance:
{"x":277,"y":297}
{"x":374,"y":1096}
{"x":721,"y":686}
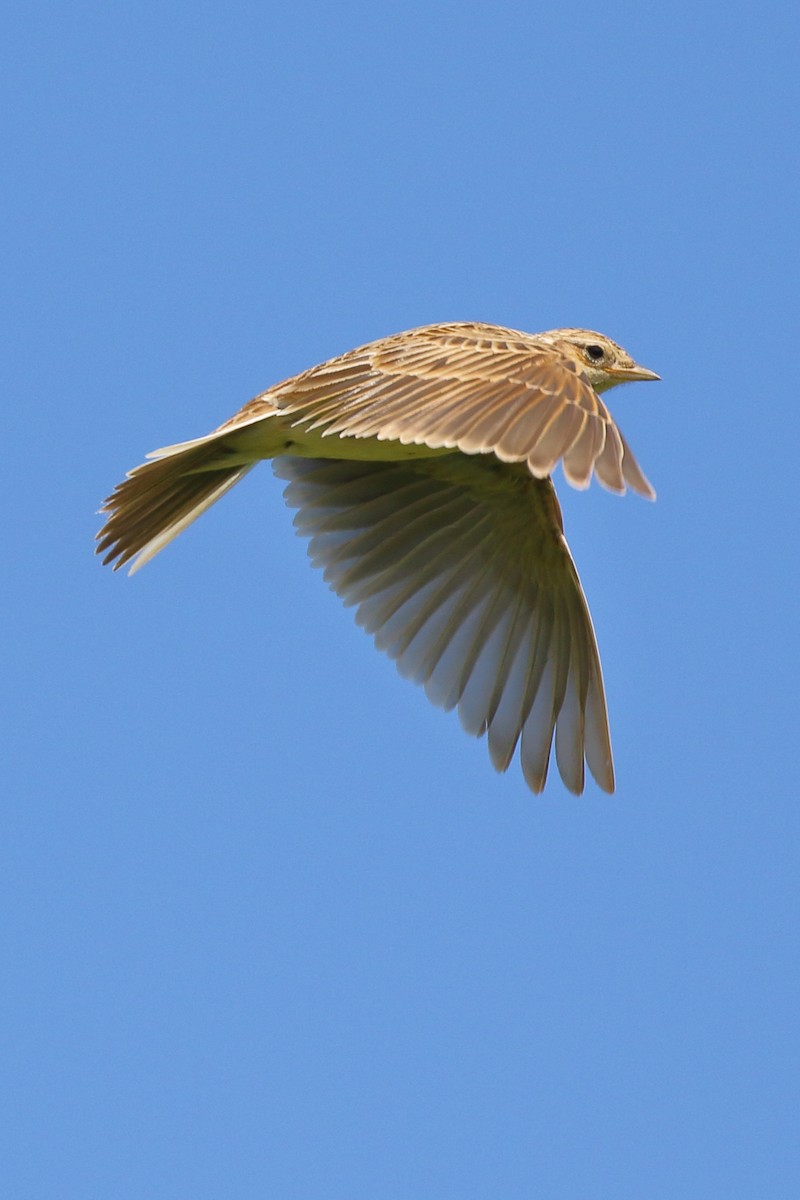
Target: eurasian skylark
{"x":420,"y":469}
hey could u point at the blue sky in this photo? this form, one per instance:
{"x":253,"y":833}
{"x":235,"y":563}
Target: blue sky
{"x":270,"y":924}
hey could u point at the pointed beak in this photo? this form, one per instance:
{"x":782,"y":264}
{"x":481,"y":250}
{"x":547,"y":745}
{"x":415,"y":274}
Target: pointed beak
{"x":633,"y":374}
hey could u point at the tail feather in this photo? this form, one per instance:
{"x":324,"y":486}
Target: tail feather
{"x":159,"y":499}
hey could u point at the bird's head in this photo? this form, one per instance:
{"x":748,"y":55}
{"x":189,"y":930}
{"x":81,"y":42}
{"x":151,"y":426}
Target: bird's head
{"x":603,"y":361}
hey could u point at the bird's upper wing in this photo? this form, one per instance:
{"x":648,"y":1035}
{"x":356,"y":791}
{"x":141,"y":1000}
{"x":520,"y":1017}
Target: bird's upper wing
{"x":460,"y":571}
{"x":476,"y":388}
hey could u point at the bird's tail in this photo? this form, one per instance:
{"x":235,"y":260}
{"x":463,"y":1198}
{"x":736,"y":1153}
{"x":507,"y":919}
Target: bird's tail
{"x":159,"y":499}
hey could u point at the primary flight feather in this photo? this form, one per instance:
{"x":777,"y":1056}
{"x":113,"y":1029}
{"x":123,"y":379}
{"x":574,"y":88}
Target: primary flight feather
{"x":420,"y":469}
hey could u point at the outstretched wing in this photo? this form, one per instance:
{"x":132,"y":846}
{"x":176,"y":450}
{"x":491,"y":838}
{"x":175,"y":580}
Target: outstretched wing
{"x":460,"y":571}
{"x":476,"y":388}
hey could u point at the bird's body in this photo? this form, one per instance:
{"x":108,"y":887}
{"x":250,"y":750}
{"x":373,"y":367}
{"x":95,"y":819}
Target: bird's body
{"x":420,"y":465}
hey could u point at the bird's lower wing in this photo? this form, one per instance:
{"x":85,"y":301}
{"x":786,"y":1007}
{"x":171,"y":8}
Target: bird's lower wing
{"x":459,"y":569}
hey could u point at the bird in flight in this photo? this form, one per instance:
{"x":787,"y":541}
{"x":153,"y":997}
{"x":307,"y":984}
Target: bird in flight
{"x":419,"y":466}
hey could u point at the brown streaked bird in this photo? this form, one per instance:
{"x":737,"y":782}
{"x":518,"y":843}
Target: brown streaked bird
{"x":420,"y":469}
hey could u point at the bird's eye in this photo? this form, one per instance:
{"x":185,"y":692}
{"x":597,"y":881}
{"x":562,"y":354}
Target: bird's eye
{"x":595,"y":353}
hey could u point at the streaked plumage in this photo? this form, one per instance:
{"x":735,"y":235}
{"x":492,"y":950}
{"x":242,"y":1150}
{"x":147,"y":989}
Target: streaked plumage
{"x":419,"y":465}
